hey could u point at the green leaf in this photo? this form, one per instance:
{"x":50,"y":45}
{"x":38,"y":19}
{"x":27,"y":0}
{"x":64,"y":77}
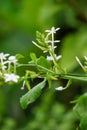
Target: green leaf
{"x":32,"y":95}
{"x":40,"y":37}
{"x":81,"y":105}
{"x":19,"y":56}
{"x":43,"y":62}
{"x":81,"y":111}
{"x":83,"y":123}
{"x":33,"y":56}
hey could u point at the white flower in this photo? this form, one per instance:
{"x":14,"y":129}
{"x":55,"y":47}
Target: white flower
{"x":11,"y":77}
{"x":3,"y":56}
{"x":12,"y":59}
{"x":60,"y":88}
{"x":58,"y":57}
{"x":53,"y":30}
{"x":50,"y":58}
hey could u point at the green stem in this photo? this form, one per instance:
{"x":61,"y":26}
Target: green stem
{"x":74,"y":77}
{"x":36,"y":65}
{"x":63,"y":76}
{"x":57,"y":66}
{"x":53,"y":42}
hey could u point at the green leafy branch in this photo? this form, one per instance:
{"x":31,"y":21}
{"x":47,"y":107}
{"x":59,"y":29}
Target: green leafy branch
{"x":47,"y":68}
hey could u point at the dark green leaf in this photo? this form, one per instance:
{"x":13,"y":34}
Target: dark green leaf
{"x":83,"y":123}
{"x":43,"y":62}
{"x":32,"y":95}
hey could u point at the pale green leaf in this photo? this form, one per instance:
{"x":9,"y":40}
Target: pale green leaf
{"x":19,"y":56}
{"x":32,"y":95}
{"x":33,"y":56}
{"x":40,"y":37}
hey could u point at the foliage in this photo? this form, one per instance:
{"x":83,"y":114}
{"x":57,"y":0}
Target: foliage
{"x":18,"y":22}
{"x":80,"y":110}
{"x":32,"y":95}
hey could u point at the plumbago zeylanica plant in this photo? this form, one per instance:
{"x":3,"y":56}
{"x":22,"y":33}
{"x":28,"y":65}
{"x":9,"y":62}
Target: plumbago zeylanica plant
{"x":46,"y":68}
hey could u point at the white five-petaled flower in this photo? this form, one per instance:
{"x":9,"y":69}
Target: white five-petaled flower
{"x":12,"y":59}
{"x":11,"y":77}
{"x":53,"y":30}
{"x":50,"y":58}
{"x":3,"y":56}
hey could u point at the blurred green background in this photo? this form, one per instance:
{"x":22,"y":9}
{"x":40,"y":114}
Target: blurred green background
{"x":19,"y":20}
